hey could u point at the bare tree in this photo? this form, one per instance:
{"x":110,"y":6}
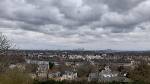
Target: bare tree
{"x":4,"y":44}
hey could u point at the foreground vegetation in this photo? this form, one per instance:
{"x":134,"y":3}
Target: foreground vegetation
{"x":16,"y":76}
{"x":85,"y":82}
{"x":71,"y":82}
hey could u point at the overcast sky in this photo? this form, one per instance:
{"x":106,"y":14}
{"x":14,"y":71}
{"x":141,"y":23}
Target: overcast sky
{"x":71,"y":24}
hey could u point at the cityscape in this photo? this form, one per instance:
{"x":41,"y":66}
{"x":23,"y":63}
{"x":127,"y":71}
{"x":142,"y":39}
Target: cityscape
{"x":77,"y":65}
{"x":74,"y":41}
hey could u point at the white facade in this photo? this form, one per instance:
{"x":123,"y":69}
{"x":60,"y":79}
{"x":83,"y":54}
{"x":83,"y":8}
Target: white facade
{"x":69,"y":76}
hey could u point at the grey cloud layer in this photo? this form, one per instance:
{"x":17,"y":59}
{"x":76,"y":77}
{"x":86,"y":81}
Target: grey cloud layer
{"x":83,"y":21}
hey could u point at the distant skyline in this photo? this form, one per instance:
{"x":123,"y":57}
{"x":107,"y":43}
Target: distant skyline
{"x":73,"y":24}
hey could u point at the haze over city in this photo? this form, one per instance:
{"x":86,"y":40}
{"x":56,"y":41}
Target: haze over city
{"x":72,"y":24}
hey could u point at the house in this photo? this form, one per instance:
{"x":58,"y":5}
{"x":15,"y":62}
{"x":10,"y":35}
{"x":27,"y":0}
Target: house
{"x":43,"y":66}
{"x":34,"y":76}
{"x":42,"y":75}
{"x":18,"y":65}
{"x":54,"y":75}
{"x":68,"y":75}
{"x":106,"y":75}
{"x":42,"y":70}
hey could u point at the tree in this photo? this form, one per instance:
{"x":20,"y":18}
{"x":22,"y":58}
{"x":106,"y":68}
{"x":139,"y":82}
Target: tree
{"x":140,"y":73}
{"x":51,"y":65}
{"x":4,"y":44}
{"x":31,"y":68}
{"x":84,"y":70}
